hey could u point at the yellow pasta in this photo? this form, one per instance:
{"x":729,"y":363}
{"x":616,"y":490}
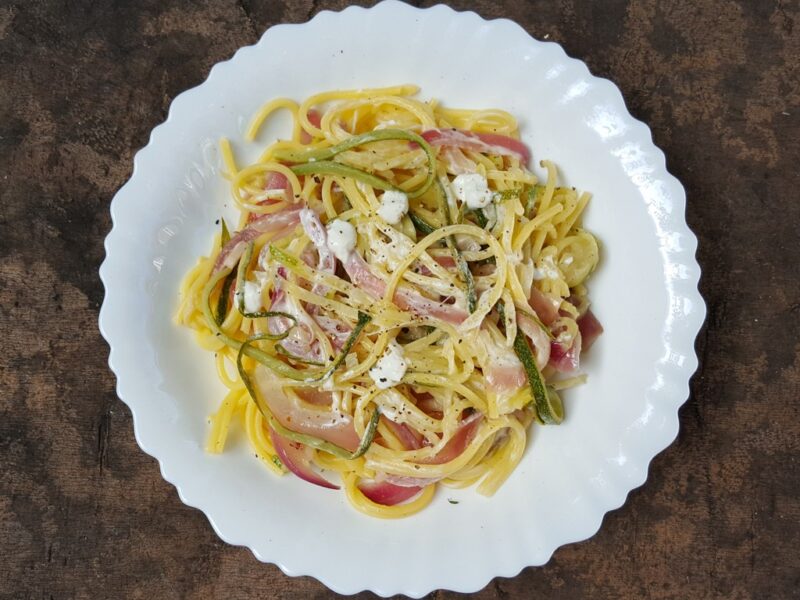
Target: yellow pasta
{"x":400,"y":299}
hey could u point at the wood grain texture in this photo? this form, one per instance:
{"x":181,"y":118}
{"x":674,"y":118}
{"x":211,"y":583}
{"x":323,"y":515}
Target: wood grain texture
{"x":85,"y":514}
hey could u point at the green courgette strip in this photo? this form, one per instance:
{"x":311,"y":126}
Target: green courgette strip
{"x":283,"y":257}
{"x":530,"y":205}
{"x":264,"y":358}
{"x":303,"y":438}
{"x":421,"y":224}
{"x":426,"y":228}
{"x":272,"y":362}
{"x":481,"y":218}
{"x":331,"y":167}
{"x":318,"y":161}
{"x":507,"y":195}
{"x":329,"y":447}
{"x":240,"y":276}
{"x":222,"y":303}
{"x":534,"y":317}
{"x":284,"y":352}
{"x":466,"y":274}
{"x":316,"y":154}
{"x":205,"y":306}
{"x":363,"y":320}
{"x":305,"y":375}
{"x":463,"y":267}
{"x":547,"y":402}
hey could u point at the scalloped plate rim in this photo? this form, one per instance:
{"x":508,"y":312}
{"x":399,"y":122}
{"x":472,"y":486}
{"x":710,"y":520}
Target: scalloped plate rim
{"x":174,"y":478}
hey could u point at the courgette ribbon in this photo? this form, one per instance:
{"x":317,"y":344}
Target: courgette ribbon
{"x":279,"y":367}
{"x":463,"y":267}
{"x":480,"y":216}
{"x":535,"y":318}
{"x":222,"y":303}
{"x":268,"y":360}
{"x":421,"y":224}
{"x":426,"y":228}
{"x":225,"y":235}
{"x":241,"y":273}
{"x":549,"y":408}
{"x":533,"y":192}
{"x":302,"y":438}
{"x":320,"y":161}
{"x":284,"y":352}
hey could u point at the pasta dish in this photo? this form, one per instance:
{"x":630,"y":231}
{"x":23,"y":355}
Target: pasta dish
{"x":399,"y":301}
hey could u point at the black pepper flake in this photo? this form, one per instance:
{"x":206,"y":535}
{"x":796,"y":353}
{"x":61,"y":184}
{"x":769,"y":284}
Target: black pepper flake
{"x":382,"y":380}
{"x":216,"y":222}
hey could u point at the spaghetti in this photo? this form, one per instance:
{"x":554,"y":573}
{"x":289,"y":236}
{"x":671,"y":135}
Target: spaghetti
{"x":400,"y":299}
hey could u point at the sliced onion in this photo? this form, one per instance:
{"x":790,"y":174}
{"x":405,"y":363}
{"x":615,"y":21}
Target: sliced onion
{"x":279,"y":224}
{"x":388,"y":494}
{"x":314,"y":396}
{"x":428,"y":404}
{"x":563,"y":358}
{"x":458,"y":443}
{"x":419,"y":482}
{"x":537,"y":335}
{"x":490,"y":143}
{"x":457,"y":162}
{"x":275,"y":181}
{"x":301,"y":341}
{"x":315,"y":119}
{"x":448,"y":262}
{"x":411,"y":439}
{"x":546,"y":308}
{"x":319,"y":237}
{"x":337,"y":331}
{"x":590,"y":329}
{"x":504,"y":378}
{"x":329,"y":425}
{"x":297,"y":458}
{"x":362,"y":276}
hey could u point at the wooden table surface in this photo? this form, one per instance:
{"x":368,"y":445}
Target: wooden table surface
{"x":85,"y":514}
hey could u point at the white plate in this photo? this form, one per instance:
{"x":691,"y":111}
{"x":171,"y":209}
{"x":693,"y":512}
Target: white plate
{"x":645,"y":294}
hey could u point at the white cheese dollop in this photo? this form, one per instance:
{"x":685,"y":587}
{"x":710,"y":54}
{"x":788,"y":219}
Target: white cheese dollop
{"x":547,"y":271}
{"x":393,"y":206}
{"x":341,"y":238}
{"x":473,"y":190}
{"x":390,"y":368}
{"x":252,"y":297}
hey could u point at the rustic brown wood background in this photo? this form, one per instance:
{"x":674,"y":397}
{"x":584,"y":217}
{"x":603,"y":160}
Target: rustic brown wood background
{"x":85,"y":514}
